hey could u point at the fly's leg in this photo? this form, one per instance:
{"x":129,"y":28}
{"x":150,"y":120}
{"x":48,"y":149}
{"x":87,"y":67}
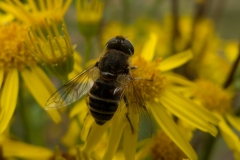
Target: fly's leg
{"x":127,"y":114}
{"x":146,"y":79}
{"x":133,"y":67}
{"x":150,"y":79}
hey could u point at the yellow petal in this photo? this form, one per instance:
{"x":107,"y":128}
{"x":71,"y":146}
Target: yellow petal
{"x":65,"y":7}
{"x":130,"y":138}
{"x":39,"y":88}
{"x":79,"y":108}
{"x":1,"y":77}
{"x":119,"y":156}
{"x":170,"y":128}
{"x":94,"y":137}
{"x":187,"y":112}
{"x":8,"y":98}
{"x":228,"y":135}
{"x":149,"y":47}
{"x":118,"y":123}
{"x":77,"y":65}
{"x":88,"y":123}
{"x":234,"y":121}
{"x":11,"y":148}
{"x":177,"y":79}
{"x":72,"y":134}
{"x":175,"y":60}
{"x":191,"y":106}
{"x":44,"y":78}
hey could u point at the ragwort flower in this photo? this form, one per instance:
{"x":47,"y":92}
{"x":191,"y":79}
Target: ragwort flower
{"x":219,"y":101}
{"x":16,"y":149}
{"x":5,"y":18}
{"x":160,"y":147}
{"x":54,"y":51}
{"x":160,"y":98}
{"x":16,"y":59}
{"x":89,"y":14}
{"x":36,"y":11}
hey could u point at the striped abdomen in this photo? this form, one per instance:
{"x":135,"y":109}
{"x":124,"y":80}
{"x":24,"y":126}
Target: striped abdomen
{"x":103,"y":101}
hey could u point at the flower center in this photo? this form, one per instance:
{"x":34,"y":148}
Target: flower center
{"x":164,"y":148}
{"x":151,"y":81}
{"x":212,"y":96}
{"x":13,"y":52}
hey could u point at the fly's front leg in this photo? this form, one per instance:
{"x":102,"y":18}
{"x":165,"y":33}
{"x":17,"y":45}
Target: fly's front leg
{"x":127,"y":114}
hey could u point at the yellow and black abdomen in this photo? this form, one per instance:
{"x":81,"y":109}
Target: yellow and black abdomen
{"x":103,"y":100}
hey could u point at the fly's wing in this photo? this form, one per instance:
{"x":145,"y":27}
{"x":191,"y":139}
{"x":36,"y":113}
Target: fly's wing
{"x":136,"y":102}
{"x":74,"y":89}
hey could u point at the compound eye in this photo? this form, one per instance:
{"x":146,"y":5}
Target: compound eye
{"x":121,"y":44}
{"x":129,"y":45}
{"x":112,"y":40}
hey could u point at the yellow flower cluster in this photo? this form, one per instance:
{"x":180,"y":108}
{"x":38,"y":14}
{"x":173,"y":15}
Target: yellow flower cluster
{"x":177,"y":82}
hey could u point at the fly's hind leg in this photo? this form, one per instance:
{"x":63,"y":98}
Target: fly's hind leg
{"x":127,"y":114}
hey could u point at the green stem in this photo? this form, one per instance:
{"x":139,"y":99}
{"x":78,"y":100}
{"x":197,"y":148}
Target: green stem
{"x":219,"y":10}
{"x":230,"y":78}
{"x":87,"y":51}
{"x":24,"y":113}
{"x":27,"y":111}
{"x":175,"y":33}
{"x":126,"y":10}
{"x":233,"y":70}
{"x":210,"y":141}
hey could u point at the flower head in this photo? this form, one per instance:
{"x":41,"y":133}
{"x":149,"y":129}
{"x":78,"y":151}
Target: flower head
{"x":54,"y":51}
{"x":163,"y":148}
{"x":158,"y":88}
{"x":36,"y":11}
{"x":13,"y":53}
{"x":152,"y":82}
{"x":219,"y":102}
{"x":89,"y":14}
{"x":213,"y":97}
{"x":15,"y":58}
{"x":169,"y":98}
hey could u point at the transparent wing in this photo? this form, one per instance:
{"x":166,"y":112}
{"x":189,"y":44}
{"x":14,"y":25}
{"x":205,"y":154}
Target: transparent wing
{"x":136,"y":102}
{"x":74,"y":89}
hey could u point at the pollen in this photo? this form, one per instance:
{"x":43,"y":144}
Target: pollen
{"x":163,"y":148}
{"x":13,"y":52}
{"x":148,"y":78}
{"x":212,"y":96}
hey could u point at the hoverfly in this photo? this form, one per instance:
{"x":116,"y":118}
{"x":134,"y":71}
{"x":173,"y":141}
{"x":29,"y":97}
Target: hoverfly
{"x":106,"y":83}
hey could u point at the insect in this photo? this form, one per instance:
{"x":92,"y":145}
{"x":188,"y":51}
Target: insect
{"x":106,"y":83}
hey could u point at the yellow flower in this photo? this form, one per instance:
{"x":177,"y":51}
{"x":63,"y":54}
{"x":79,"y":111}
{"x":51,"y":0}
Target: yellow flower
{"x":15,"y":59}
{"x":160,"y":98}
{"x":89,"y":14}
{"x":160,"y":147}
{"x":219,"y":101}
{"x":169,"y":99}
{"x":55,"y":51}
{"x":212,"y":55}
{"x":138,"y":32}
{"x":16,"y":149}
{"x":36,"y":11}
{"x":5,"y":18}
